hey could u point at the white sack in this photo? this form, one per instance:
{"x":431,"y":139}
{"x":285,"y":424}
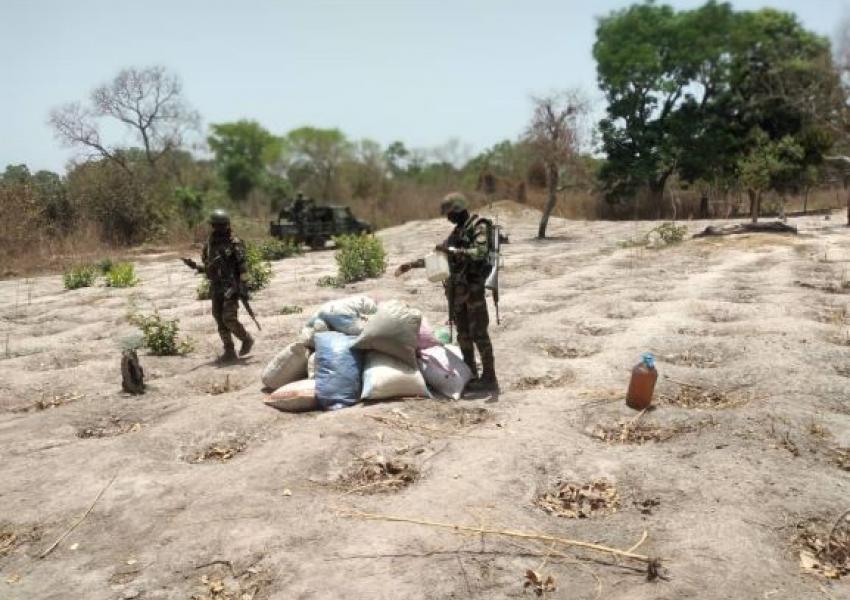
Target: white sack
{"x":387,"y":377}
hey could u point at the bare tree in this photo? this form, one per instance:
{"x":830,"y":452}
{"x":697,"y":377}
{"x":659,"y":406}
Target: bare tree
{"x":148,"y":102}
{"x":553,"y":137}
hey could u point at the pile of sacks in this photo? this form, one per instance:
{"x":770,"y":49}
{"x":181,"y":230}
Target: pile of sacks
{"x":355,"y":349}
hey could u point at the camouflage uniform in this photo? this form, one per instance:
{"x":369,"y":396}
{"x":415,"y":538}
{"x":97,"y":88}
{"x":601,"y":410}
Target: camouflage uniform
{"x":465,"y":291}
{"x":224,"y":263}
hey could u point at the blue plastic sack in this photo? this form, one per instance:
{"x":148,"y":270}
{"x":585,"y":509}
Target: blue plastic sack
{"x":338,"y":369}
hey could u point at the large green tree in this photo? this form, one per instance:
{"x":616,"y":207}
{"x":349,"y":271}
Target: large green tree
{"x":243,"y":150}
{"x":688,"y":90}
{"x":312,"y":158}
{"x":658,"y":69}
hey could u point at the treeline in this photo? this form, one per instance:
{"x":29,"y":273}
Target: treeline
{"x":707,"y":110}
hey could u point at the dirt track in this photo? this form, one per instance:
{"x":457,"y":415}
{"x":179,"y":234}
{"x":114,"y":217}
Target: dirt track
{"x":759,"y":322}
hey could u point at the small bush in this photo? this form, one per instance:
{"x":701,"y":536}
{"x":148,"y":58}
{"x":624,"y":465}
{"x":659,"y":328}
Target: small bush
{"x":291,"y":309}
{"x":79,"y":277}
{"x":279,"y":249}
{"x":359,"y":257}
{"x":121,"y":275}
{"x":104,"y":265}
{"x":670,"y":233}
{"x":160,"y":336}
{"x":259,"y":269}
{"x":329,"y":281}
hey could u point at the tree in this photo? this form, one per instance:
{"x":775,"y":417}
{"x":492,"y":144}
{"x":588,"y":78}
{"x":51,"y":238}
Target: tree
{"x":312,"y":157}
{"x":553,"y":138}
{"x":396,"y":156}
{"x":243,"y":150}
{"x":148,"y":102}
{"x":658,"y":69}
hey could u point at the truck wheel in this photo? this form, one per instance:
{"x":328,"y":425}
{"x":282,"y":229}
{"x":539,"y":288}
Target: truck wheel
{"x":317,"y":243}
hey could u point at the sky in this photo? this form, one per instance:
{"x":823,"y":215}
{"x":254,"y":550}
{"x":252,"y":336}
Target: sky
{"x":419,"y":71}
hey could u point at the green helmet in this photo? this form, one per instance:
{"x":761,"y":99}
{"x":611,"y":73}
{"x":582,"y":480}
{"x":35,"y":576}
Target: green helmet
{"x":219,"y":217}
{"x":453,"y":202}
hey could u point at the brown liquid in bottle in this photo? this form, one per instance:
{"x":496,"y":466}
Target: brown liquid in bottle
{"x":642,"y":384}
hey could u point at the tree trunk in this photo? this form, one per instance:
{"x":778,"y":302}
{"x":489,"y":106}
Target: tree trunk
{"x":552,"y":185}
{"x":806,"y":199}
{"x":755,"y":204}
{"x":656,"y":196}
{"x":848,"y":202}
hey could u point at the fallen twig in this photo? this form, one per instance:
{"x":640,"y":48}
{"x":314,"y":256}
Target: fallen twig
{"x":80,"y":520}
{"x":652,"y":562}
{"x":639,"y":542}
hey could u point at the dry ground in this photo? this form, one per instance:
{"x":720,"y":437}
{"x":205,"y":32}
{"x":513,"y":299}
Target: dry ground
{"x":217,"y":496}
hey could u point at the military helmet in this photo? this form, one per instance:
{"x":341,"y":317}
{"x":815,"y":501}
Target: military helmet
{"x":219,"y":217}
{"x":453,"y":202}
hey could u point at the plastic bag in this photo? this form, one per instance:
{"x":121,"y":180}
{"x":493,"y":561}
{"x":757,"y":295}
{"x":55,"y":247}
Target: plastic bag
{"x":426,"y":338}
{"x":338,"y":368}
{"x":444,"y":370}
{"x":347,"y":315}
{"x":297,"y":396}
{"x":290,"y":364}
{"x":387,"y":377}
{"x":392,"y":330}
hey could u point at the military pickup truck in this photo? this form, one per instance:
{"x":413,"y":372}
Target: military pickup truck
{"x":304,"y":222}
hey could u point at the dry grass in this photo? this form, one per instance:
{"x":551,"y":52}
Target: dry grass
{"x":111,"y":427}
{"x":580,"y":500}
{"x":630,"y":432}
{"x":824,"y":548}
{"x":549,"y":380}
{"x":219,"y":451}
{"x":373,"y":473}
{"x":695,"y":396}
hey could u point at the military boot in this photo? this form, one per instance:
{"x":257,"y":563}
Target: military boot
{"x":246,"y":346}
{"x":228,"y":356}
{"x":488,"y":381}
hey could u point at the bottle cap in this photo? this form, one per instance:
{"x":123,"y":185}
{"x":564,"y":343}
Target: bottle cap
{"x":648,"y":359}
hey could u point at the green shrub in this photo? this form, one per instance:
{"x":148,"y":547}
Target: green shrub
{"x":291,"y":309}
{"x":79,"y":277}
{"x":279,"y":249}
{"x":160,"y":336}
{"x":359,"y":257}
{"x":670,"y":233}
{"x":104,"y":265}
{"x":329,"y":281}
{"x":259,"y":269}
{"x":122,"y":274}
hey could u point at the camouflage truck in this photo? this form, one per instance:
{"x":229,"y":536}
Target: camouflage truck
{"x":304,"y":222}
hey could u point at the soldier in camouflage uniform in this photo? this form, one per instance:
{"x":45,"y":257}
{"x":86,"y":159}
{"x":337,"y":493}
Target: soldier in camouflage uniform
{"x":467,"y":248}
{"x":223,"y":259}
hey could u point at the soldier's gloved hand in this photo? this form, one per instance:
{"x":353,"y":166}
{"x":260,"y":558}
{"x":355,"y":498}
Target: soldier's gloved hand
{"x":441,"y":248}
{"x":402,"y":269}
{"x":231,"y":292}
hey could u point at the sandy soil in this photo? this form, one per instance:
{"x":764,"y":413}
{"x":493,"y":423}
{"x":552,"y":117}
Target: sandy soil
{"x":760,"y":322}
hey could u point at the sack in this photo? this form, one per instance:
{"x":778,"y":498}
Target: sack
{"x":347,"y":315}
{"x":387,"y":377}
{"x":311,"y":366}
{"x":392,"y":330}
{"x":309,"y":331}
{"x":338,"y":368}
{"x":426,"y":338}
{"x":297,"y":396}
{"x":444,"y":370}
{"x":290,"y":364}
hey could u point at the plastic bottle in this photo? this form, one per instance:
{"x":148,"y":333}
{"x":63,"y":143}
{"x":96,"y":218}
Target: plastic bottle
{"x":642,"y":383}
